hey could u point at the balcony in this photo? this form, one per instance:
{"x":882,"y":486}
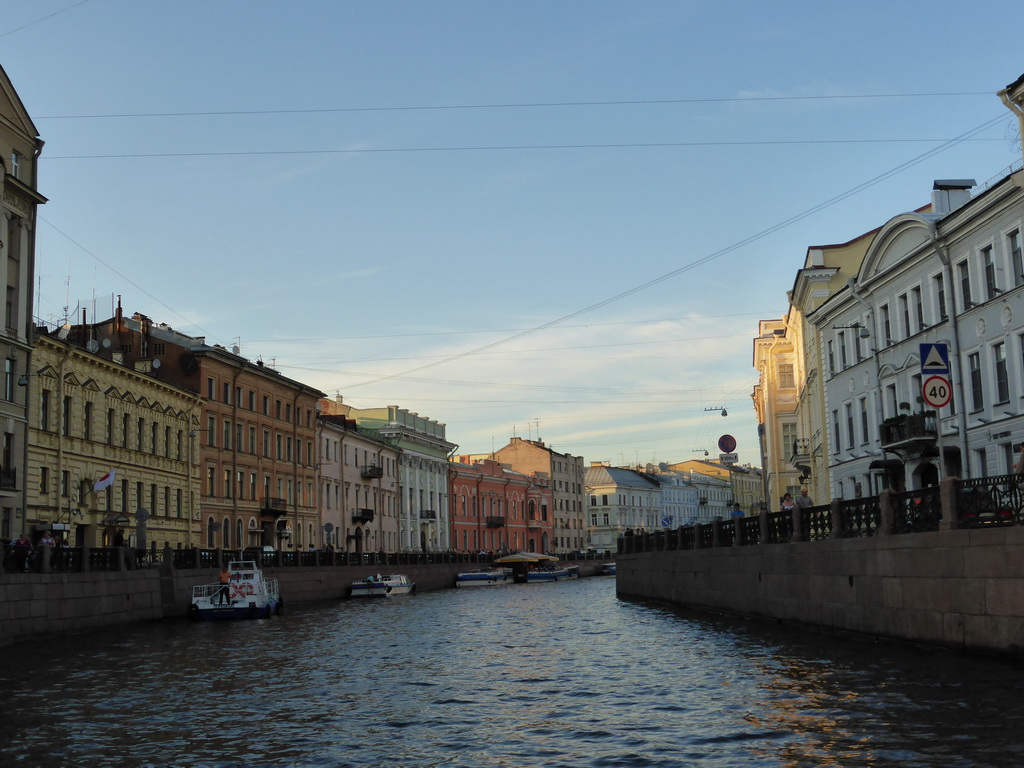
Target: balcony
{"x":371,"y":471}
{"x":801,"y":456}
{"x":428,"y":514}
{"x":495,"y":521}
{"x":909,"y":432}
{"x":9,"y":479}
{"x":362,"y":516}
{"x":273,"y":506}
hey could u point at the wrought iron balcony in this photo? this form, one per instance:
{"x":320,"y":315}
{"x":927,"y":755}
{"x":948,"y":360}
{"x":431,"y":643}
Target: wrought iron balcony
{"x":801,"y":451}
{"x":362,"y":516}
{"x":495,"y":521}
{"x":428,"y":514}
{"x":911,"y":431}
{"x":9,"y":479}
{"x":372,"y":470}
{"x":270,"y":505}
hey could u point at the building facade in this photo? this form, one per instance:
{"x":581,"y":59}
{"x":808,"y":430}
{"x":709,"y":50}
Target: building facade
{"x":20,"y":147}
{"x":423,"y":471}
{"x":91,"y":418}
{"x":567,"y":475}
{"x":254,"y":436}
{"x":490,"y":507}
{"x":621,"y":501}
{"x":359,"y":487}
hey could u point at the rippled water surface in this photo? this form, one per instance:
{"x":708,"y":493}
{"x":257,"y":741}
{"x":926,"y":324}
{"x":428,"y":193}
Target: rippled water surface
{"x":525,"y":675}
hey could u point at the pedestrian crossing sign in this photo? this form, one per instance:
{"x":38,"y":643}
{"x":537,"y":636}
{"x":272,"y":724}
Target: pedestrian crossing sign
{"x":935,"y":359}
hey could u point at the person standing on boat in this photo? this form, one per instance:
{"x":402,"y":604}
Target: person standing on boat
{"x":224,"y":593}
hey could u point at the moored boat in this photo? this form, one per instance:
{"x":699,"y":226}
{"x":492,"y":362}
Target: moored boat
{"x":246,"y":595}
{"x":383,"y":586}
{"x":552,"y":573}
{"x":483,"y":577}
{"x":606,"y":569}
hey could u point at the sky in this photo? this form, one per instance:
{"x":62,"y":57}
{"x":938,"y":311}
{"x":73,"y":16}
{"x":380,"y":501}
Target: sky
{"x":558,"y":220}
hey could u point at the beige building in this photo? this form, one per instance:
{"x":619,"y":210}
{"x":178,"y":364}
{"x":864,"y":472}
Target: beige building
{"x":359,"y":497}
{"x":20,"y":146}
{"x":568,"y":479}
{"x":89,"y":417}
{"x":423,"y":471}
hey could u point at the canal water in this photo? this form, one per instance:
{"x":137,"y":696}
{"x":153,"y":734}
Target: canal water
{"x":553,"y":675}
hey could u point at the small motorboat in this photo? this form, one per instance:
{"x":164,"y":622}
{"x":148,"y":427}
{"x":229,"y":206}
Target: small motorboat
{"x":247,"y":595}
{"x":606,"y":569}
{"x":383,"y":586}
{"x":484,"y":577}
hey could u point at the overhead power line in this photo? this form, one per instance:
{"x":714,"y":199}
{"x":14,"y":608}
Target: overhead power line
{"x":510,"y":105}
{"x":505,"y":148}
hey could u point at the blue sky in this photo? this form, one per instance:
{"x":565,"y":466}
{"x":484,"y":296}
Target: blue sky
{"x":553,"y":219}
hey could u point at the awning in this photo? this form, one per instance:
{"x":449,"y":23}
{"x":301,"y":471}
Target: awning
{"x":886,"y":464}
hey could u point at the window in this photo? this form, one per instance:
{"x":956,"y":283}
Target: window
{"x":843,"y":360}
{"x":211,"y":481}
{"x":977,"y":393}
{"x":918,"y":308}
{"x":864,"y":431}
{"x":44,"y":410}
{"x":964,"y":274}
{"x":227,"y":435}
{"x":990,"y":272}
{"x":9,"y":381}
{"x":831,"y":358}
{"x":110,"y":426}
{"x":266,"y":405}
{"x":905,"y":315}
{"x":849,"y":424}
{"x":87,"y":421}
{"x":44,"y":480}
{"x":210,"y":388}
{"x":16,"y":164}
{"x":140,"y":434}
{"x":211,"y":430}
{"x":999,"y":363}
{"x":65,"y":416}
{"x":835,"y":431}
{"x":1016,"y":258}
{"x":227,"y":393}
{"x":939,"y":284}
{"x":886,"y":324}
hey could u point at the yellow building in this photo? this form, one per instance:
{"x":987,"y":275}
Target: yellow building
{"x":789,"y":398}
{"x":20,"y":146}
{"x":89,"y":417}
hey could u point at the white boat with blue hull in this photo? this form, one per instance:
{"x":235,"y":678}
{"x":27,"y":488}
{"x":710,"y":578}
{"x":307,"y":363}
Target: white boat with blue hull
{"x":246,"y":595}
{"x":552,"y":573}
{"x":383,"y":586}
{"x":484,"y":577}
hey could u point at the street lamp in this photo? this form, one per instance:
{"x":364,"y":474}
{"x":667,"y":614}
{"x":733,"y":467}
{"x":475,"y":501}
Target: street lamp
{"x":720,"y":408}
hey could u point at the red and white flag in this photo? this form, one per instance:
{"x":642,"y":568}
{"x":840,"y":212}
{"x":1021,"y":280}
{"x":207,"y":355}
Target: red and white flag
{"x":104,"y":482}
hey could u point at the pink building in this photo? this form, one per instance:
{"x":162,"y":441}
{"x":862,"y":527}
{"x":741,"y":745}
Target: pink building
{"x":494,"y":509}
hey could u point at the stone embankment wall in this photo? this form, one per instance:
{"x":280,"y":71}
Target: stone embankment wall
{"x":961,"y":588}
{"x":34,"y":605}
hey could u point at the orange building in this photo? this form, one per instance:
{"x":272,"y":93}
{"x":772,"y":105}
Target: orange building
{"x":494,"y":509}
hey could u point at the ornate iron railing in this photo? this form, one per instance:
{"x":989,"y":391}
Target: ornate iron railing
{"x":916,"y":511}
{"x":780,"y":527}
{"x":859,"y":517}
{"x":986,"y":501}
{"x":750,"y":531}
{"x":816,"y":522}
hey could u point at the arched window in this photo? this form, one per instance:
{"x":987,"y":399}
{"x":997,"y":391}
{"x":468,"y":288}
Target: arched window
{"x":226,"y":528}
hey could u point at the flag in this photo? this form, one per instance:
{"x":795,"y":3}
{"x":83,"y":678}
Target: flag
{"x":104,"y":482}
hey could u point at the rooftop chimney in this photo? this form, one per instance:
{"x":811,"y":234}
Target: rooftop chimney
{"x":950,"y":194}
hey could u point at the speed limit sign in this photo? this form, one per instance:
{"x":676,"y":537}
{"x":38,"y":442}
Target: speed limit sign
{"x":937,"y":391}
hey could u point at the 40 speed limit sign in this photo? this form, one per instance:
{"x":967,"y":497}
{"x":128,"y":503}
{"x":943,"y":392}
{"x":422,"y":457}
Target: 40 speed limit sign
{"x":937,"y":391}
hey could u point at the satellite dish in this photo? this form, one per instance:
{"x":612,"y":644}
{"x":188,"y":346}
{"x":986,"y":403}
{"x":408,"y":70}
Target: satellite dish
{"x":92,"y":345}
{"x":235,"y":349}
{"x":106,"y":343}
{"x":156,"y":364}
{"x":64,"y":331}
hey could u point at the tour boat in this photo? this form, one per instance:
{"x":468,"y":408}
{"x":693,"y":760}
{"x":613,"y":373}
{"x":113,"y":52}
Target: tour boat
{"x":247,"y":595}
{"x":552,"y":573}
{"x":383,"y":586}
{"x":484,"y":577}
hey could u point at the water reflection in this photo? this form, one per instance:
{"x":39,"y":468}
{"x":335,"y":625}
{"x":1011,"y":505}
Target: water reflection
{"x":552,"y":674}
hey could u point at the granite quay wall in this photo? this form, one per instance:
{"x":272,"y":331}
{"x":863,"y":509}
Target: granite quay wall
{"x":941,"y":566}
{"x":76,"y":590}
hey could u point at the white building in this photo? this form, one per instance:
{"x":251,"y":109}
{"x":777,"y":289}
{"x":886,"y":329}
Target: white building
{"x":953,"y":276}
{"x":619,"y":500}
